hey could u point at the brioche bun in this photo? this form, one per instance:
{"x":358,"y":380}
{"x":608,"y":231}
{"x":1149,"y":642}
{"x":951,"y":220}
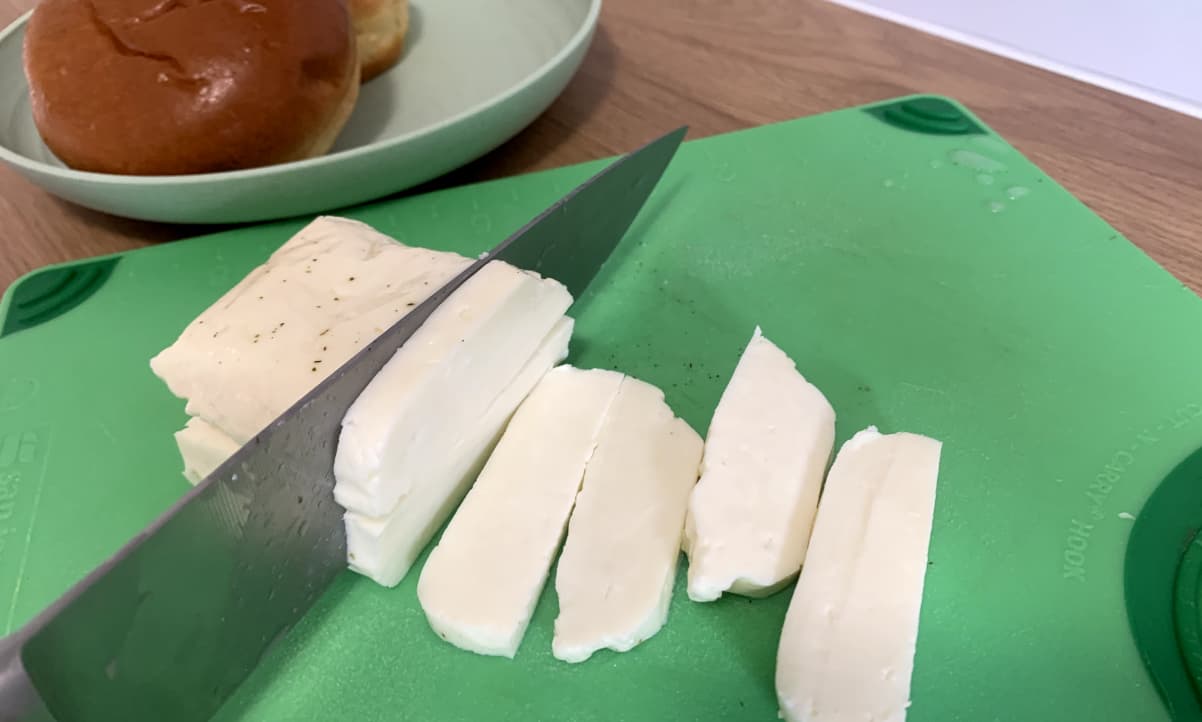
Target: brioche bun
{"x":148,"y":87}
{"x":380,"y":26}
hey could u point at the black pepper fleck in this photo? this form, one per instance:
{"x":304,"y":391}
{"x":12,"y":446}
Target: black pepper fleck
{"x":323,"y":333}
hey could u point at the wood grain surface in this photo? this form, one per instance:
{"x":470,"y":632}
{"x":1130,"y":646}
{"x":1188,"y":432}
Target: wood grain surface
{"x":722,"y":65}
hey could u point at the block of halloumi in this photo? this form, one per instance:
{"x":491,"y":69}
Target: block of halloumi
{"x":615,"y":575}
{"x":847,"y":646}
{"x":481,"y":582}
{"x":325,"y":293}
{"x":441,"y":381}
{"x":384,"y":548}
{"x":765,"y":457}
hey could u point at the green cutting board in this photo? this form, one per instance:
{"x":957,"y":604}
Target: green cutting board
{"x":923,"y":274}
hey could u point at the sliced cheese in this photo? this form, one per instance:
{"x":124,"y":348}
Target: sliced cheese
{"x":847,"y":647}
{"x":324,"y":294}
{"x":480,"y":584}
{"x":615,"y":575}
{"x":384,"y":548}
{"x":766,"y":453}
{"x":203,"y":447}
{"x":439,"y":382}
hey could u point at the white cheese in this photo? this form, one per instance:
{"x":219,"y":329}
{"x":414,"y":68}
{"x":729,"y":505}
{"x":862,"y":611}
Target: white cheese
{"x":615,"y":575}
{"x":765,"y":456}
{"x":439,"y":382}
{"x":847,"y":647}
{"x":203,"y":447}
{"x":480,"y":584}
{"x":324,"y":294}
{"x":384,"y":548}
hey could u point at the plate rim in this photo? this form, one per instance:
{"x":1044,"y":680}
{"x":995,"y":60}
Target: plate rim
{"x":581,"y":35}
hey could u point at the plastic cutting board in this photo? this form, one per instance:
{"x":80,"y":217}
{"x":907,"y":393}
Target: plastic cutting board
{"x":924,"y":275}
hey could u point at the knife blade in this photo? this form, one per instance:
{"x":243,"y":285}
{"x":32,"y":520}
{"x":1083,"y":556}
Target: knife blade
{"x":170,"y":625}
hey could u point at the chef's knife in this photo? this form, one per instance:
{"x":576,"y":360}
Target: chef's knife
{"x":171,"y":625}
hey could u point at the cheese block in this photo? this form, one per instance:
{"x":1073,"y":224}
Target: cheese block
{"x":203,"y":447}
{"x":481,"y":582}
{"x":384,"y":548}
{"x":847,"y":647}
{"x":324,"y":294}
{"x":440,"y":382}
{"x":615,"y":576}
{"x":765,"y":456}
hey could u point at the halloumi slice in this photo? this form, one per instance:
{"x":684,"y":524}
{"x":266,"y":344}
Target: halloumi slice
{"x":481,"y":582}
{"x":615,"y":575}
{"x":317,"y":300}
{"x":765,"y":456}
{"x":847,"y":647}
{"x":385,"y":548}
{"x":440,"y":382}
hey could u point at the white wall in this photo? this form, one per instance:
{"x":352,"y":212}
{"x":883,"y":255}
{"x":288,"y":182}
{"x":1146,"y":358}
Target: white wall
{"x":1151,"y":49}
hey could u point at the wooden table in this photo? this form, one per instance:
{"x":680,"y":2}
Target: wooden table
{"x":724,"y":65}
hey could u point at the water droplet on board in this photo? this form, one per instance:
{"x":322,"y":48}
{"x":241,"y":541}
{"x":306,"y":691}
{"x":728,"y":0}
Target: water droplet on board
{"x":936,"y":163}
{"x":996,"y":206}
{"x":985,"y":179}
{"x":1016,"y":192}
{"x":975,"y":161}
{"x":888,"y":183}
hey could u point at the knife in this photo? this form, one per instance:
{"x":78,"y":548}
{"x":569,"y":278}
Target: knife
{"x":169,"y":626}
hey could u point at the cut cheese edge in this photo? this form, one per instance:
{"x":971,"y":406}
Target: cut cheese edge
{"x":317,"y":300}
{"x":203,"y":447}
{"x":766,"y":453}
{"x":847,"y":646}
{"x":615,"y":576}
{"x":481,"y":582}
{"x":442,"y":380}
{"x":385,"y":548}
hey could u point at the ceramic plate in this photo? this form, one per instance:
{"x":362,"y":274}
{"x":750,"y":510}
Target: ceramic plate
{"x":474,"y":73}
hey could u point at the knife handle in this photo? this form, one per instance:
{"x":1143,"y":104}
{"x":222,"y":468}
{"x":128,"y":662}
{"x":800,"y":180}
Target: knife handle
{"x":19,"y":698}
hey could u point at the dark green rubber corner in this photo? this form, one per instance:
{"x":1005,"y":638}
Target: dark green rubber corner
{"x":1162,"y":581}
{"x":1187,"y":610}
{"x":49,"y":293}
{"x":926,"y":114}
